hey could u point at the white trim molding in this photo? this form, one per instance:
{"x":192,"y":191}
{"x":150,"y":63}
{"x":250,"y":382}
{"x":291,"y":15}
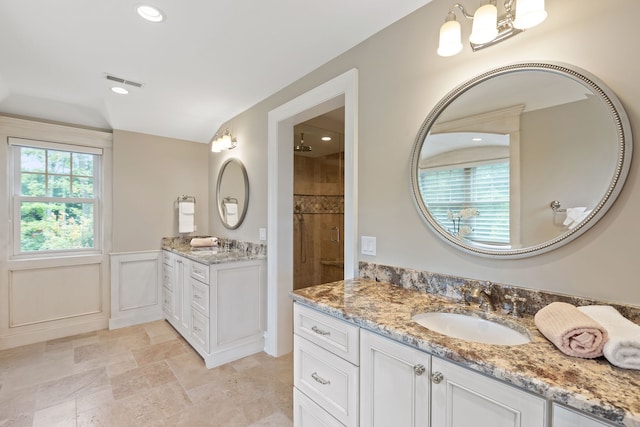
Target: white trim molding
{"x":339,"y":91}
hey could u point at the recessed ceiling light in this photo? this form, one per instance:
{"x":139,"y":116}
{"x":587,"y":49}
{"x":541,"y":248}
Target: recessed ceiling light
{"x":119,"y":90}
{"x":326,"y":138}
{"x":150,"y":13}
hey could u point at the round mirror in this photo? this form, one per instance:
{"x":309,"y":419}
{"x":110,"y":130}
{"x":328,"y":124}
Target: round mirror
{"x":232,"y":193}
{"x":521,"y":159}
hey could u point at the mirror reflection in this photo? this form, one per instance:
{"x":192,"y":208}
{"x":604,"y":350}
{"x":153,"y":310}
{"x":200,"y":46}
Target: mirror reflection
{"x":518,"y":160}
{"x":232,"y":193}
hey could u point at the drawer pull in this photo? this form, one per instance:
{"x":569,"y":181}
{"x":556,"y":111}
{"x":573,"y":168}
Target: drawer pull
{"x":319,"y":331}
{"x":319,"y":379}
{"x":196,"y":296}
{"x":419,"y":369}
{"x":196,"y":329}
{"x":437,"y":377}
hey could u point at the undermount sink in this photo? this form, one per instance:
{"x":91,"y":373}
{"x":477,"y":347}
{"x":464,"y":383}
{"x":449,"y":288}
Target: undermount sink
{"x":471,"y":328}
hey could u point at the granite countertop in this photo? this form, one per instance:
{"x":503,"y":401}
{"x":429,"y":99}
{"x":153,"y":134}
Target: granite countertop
{"x":593,"y":386}
{"x":238,"y":251}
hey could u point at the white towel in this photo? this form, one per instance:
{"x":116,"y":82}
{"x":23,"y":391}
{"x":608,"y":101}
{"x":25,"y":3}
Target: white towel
{"x":575,"y":216}
{"x":231,"y":213}
{"x":623,"y":347}
{"x":186,"y":217}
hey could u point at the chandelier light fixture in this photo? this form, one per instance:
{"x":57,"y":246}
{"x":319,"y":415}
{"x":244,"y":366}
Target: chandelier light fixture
{"x":488,"y":28}
{"x":224,"y":141}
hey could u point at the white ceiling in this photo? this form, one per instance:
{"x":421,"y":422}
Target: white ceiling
{"x":209,"y":61}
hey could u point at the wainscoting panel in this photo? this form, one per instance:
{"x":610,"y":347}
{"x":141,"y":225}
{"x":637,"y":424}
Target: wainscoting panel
{"x":53,"y":293}
{"x":135,"y":288}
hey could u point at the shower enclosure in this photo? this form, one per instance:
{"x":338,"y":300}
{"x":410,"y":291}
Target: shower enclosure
{"x":318,"y":205}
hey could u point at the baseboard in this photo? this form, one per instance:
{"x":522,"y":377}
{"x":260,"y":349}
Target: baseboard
{"x":136,"y":318}
{"x":19,"y":339}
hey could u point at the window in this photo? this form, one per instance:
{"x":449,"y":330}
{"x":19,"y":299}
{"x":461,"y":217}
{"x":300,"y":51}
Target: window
{"x":56,"y":197}
{"x":484,"y":187}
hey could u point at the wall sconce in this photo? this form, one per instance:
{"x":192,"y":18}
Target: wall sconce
{"x":488,"y":28}
{"x":224,"y":141}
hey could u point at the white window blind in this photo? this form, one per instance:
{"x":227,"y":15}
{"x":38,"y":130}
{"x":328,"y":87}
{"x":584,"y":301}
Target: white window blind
{"x":484,"y":187}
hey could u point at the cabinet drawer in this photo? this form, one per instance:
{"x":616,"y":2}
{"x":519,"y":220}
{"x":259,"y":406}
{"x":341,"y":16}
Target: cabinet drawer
{"x":306,"y":413}
{"x":200,"y":272}
{"x":168,"y":302}
{"x":200,"y":297}
{"x":337,"y":336}
{"x":167,"y":276}
{"x":565,"y":417}
{"x":167,"y":258}
{"x":327,"y":379}
{"x":200,"y":331}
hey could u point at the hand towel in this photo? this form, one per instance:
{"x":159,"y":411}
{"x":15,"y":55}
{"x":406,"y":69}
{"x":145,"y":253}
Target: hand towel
{"x":623,"y":347}
{"x":572,"y":331}
{"x":186,"y":217}
{"x":231,"y":213}
{"x":575,"y":216}
{"x":203,"y":242}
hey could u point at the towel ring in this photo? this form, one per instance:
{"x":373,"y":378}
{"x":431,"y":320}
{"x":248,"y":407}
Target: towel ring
{"x":555,"y":207}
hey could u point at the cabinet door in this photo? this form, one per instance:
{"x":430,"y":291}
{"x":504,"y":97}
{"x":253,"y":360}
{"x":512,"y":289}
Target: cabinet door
{"x":182,"y":296}
{"x":564,"y":417}
{"x":394,"y":383}
{"x":463,"y":398}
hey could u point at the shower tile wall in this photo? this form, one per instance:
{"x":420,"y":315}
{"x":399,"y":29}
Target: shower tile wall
{"x":318,"y":219}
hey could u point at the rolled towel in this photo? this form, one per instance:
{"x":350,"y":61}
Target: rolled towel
{"x":204,"y":242}
{"x":623,"y":347}
{"x":572,"y":331}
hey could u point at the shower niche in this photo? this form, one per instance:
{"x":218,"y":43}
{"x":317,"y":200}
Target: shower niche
{"x":318,"y":200}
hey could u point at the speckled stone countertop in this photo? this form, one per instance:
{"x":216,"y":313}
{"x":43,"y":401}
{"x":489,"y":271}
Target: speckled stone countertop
{"x":594,"y":386}
{"x":237,"y":251}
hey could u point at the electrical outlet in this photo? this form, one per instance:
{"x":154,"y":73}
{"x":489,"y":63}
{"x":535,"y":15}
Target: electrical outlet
{"x":263,"y":234}
{"x":367,"y":245}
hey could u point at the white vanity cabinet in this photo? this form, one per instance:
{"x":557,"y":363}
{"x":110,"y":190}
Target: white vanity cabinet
{"x":325,"y":370}
{"x":461,"y":398}
{"x":565,"y":417}
{"x":398,"y":384}
{"x":394,"y":383}
{"x":220,"y":309}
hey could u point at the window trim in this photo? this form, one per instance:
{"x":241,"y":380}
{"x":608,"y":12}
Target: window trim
{"x":17,"y":198}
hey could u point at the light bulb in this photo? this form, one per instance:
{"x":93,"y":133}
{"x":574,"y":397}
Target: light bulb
{"x":450,"y":37}
{"x":485,"y":24}
{"x":529,"y":13}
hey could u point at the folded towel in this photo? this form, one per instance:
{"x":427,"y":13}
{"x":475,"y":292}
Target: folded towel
{"x":186,"y":217}
{"x":204,"y":242}
{"x":623,"y":347}
{"x":572,"y":331}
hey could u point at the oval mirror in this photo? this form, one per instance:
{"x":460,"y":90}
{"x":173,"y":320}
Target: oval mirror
{"x":232,"y":193}
{"x":521,"y":159}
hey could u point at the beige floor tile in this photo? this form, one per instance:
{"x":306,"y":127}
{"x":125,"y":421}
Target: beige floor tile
{"x":141,"y":379}
{"x":145,"y":375}
{"x":156,"y":352}
{"x":16,"y":409}
{"x":69,"y":388}
{"x":63,"y":414}
{"x":277,"y":419}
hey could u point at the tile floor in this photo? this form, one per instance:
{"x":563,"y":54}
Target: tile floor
{"x":144,"y":375}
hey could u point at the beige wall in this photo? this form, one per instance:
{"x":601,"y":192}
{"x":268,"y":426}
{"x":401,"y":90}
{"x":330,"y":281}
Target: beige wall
{"x":150,"y":172}
{"x":401,"y":79}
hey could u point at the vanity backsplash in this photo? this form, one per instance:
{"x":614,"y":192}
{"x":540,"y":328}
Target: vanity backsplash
{"x":502,"y":295}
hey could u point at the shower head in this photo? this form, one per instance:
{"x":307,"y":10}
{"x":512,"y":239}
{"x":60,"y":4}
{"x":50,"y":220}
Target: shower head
{"x":302,"y":147}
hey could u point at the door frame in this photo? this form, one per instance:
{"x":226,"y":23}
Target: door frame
{"x":337,"y":92}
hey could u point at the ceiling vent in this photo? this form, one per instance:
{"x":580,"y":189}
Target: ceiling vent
{"x":122,"y":81}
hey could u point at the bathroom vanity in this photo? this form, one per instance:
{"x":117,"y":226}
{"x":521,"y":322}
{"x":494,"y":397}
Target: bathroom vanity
{"x":360,"y":360}
{"x":216,"y":300}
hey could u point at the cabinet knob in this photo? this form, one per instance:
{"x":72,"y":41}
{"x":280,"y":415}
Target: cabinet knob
{"x":437,"y":377}
{"x":419,"y":369}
